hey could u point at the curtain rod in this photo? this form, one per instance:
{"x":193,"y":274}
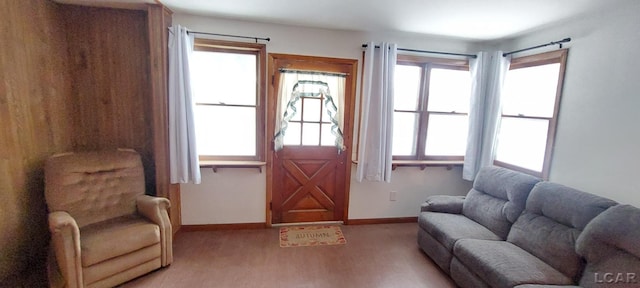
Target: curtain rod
{"x":229,"y":35}
{"x":426,"y":51}
{"x":225,"y":35}
{"x":559,"y":43}
{"x":310,"y":72}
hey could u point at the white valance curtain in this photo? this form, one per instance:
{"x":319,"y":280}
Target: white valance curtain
{"x":183,"y":155}
{"x":487,"y":71}
{"x":295,"y":84}
{"x":376,"y":128}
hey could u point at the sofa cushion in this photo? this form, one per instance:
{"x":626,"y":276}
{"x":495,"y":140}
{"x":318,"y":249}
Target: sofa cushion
{"x":435,"y":250}
{"x":546,"y":286}
{"x":497,"y":198}
{"x":116,"y":237}
{"x":549,"y":227}
{"x":464,"y":277}
{"x":503,"y":264}
{"x":610,"y":247}
{"x":448,"y":228}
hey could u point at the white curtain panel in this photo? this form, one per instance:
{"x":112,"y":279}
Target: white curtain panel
{"x":376,"y":128}
{"x":183,"y":155}
{"x":487,"y":71}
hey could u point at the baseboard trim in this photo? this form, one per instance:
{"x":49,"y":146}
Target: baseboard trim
{"x":246,"y":226}
{"x":216,"y":227}
{"x":381,"y":221}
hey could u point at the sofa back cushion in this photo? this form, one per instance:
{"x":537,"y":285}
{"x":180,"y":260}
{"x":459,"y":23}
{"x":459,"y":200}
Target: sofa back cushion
{"x":497,"y":198}
{"x":551,"y":223}
{"x":610,"y":246}
{"x":94,"y":186}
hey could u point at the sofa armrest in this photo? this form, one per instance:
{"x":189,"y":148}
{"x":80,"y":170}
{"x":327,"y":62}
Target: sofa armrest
{"x":443,"y":204}
{"x":155,"y":209}
{"x":65,"y":241}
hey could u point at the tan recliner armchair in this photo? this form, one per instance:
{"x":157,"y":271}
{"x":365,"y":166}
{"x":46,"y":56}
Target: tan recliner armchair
{"x":104,"y":229}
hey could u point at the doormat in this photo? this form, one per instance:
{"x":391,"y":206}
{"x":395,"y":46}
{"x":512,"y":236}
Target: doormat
{"x":298,"y":236}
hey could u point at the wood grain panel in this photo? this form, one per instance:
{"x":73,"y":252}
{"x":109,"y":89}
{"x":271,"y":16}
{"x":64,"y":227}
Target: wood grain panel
{"x":34,"y":123}
{"x":159,"y":20}
{"x":109,"y":49}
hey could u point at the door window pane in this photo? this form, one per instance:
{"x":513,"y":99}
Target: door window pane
{"x":328,"y":139}
{"x":311,"y":134}
{"x":447,"y":135}
{"x":522,"y":142}
{"x":531,"y":91}
{"x":405,"y":126}
{"x":312,"y":109}
{"x":292,"y":134}
{"x":449,"y":90}
{"x":226,"y":131}
{"x":407,"y":87}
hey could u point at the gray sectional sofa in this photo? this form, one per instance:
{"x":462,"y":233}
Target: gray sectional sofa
{"x":513,"y":230}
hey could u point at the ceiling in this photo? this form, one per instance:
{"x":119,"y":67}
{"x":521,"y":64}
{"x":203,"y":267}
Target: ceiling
{"x":477,"y":20}
{"x":466,"y":19}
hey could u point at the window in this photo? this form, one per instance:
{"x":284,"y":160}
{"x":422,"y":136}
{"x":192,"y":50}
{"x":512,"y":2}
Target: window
{"x":312,"y":123}
{"x":431,"y":106}
{"x":530,"y":102}
{"x":227,"y":85}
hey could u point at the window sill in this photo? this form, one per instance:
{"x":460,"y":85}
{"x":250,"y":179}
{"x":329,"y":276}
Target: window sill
{"x":423,"y":163}
{"x":231,"y":164}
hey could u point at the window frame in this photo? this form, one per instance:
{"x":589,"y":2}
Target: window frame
{"x":552,"y":57}
{"x":428,"y":63}
{"x":259,"y":50}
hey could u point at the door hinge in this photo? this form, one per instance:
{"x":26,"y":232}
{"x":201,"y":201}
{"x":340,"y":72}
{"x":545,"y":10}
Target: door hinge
{"x":271,"y":206}
{"x":273,"y":79}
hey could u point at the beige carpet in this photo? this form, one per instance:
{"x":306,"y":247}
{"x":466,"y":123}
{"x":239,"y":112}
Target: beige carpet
{"x":297,"y":236}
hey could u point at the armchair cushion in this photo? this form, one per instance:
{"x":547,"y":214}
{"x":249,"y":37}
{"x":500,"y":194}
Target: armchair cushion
{"x":94,"y":186}
{"x":115,"y":237}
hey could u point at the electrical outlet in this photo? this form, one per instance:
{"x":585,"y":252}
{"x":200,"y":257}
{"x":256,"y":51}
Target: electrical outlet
{"x":392,"y":195}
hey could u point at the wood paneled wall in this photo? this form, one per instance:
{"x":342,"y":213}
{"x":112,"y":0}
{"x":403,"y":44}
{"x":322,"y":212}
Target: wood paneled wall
{"x":73,"y":79}
{"x":109,"y":64}
{"x":35,"y":122}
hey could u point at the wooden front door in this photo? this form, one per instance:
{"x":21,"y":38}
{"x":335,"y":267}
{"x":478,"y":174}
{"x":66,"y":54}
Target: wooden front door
{"x":309,"y":174}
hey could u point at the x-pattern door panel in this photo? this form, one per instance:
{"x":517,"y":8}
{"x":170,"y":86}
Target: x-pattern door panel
{"x":309,"y":181}
{"x":310,"y":195}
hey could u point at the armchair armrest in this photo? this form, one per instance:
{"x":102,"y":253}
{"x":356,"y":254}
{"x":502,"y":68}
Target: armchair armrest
{"x":65,"y":241}
{"x":155,"y":209}
{"x":443,"y":204}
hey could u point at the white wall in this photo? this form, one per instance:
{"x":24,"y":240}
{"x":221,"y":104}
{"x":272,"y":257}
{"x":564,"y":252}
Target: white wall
{"x":238,"y":195}
{"x":598,"y":139}
{"x":371,"y":200}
